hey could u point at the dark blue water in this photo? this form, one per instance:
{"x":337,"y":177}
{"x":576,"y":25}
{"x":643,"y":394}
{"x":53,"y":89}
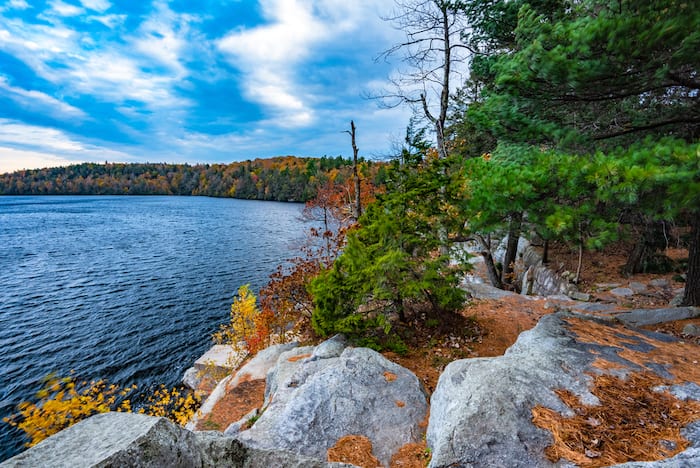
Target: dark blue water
{"x":128,"y":289}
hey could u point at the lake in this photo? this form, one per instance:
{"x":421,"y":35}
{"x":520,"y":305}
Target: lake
{"x":127,"y":289}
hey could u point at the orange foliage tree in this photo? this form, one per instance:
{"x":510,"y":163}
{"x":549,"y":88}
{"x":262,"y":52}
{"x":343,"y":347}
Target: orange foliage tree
{"x":285,"y":299}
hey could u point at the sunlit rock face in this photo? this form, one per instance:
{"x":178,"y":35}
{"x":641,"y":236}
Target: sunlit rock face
{"x":317,"y":395}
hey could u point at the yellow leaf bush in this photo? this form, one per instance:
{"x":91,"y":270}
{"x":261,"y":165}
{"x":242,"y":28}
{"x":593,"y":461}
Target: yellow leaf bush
{"x":62,"y":402}
{"x":249,"y":329}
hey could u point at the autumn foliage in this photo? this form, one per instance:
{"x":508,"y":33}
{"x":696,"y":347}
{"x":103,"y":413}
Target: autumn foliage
{"x":176,"y":404}
{"x":63,"y":401}
{"x":286,"y":298}
{"x":250,"y":328}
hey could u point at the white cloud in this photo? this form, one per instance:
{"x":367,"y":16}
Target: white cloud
{"x":37,"y":101}
{"x":15,"y":5}
{"x":111,"y":76}
{"x":13,"y":159}
{"x":43,"y":139}
{"x":64,"y":9}
{"x":34,"y":137}
{"x":268,"y":56}
{"x":111,"y":21}
{"x":163,"y":37}
{"x":25,"y":146}
{"x":113,"y":73}
{"x":96,"y":5}
{"x":272,"y":55}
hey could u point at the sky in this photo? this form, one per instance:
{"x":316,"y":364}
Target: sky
{"x":196,"y":81}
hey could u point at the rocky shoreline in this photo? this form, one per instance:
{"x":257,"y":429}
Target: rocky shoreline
{"x":481,"y":413}
{"x":504,"y":411}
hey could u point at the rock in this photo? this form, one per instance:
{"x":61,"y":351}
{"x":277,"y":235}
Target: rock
{"x":659,"y":283}
{"x":220,"y":357}
{"x":215,"y":364}
{"x":677,"y":300}
{"x":637,"y":287}
{"x":287,"y":364}
{"x":481,"y":410}
{"x":129,"y":439}
{"x":486,"y":291}
{"x":641,"y":317}
{"x":256,"y":368}
{"x":236,"y":427}
{"x":691,"y":330}
{"x":316,"y":400}
{"x":606,"y":286}
{"x":122,"y":439}
{"x":579,"y":296}
{"x":687,"y":391}
{"x":622,"y":292}
{"x":331,"y":348}
{"x":260,"y":365}
{"x":589,"y":307}
{"x":527,"y":282}
{"x":546,"y":282}
{"x":192,"y":378}
{"x":499,"y":252}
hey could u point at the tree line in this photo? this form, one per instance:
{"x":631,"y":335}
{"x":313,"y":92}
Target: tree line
{"x":285,"y":178}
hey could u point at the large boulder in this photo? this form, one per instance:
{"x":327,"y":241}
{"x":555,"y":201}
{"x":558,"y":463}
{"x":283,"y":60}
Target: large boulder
{"x":136,"y":440}
{"x":316,"y":396}
{"x":122,"y":439}
{"x":482,"y":409}
{"x":256,"y":368}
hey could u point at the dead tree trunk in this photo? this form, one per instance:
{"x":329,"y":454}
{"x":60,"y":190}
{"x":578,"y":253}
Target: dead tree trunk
{"x":355,"y":173}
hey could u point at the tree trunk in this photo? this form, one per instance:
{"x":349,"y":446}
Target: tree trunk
{"x":516,"y":220}
{"x":691,"y":296}
{"x":491,"y":270}
{"x":653,"y":238}
{"x":636,"y":259}
{"x":355,"y":173}
{"x":577,"y":278}
{"x":545,"y":252}
{"x":445,"y":91}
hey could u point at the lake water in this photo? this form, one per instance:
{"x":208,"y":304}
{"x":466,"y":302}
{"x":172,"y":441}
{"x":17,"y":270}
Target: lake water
{"x":128,"y":289}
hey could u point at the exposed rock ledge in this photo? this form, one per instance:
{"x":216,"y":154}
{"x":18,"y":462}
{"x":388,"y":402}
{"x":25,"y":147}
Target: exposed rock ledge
{"x":135,"y":440}
{"x":481,"y":413}
{"x":482,"y":409}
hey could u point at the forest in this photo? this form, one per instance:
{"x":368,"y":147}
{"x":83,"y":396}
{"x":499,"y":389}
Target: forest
{"x":574,"y":122}
{"x":286,"y":178}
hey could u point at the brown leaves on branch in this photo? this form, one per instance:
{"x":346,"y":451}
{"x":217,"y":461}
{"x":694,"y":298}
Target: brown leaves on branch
{"x":285,"y":297}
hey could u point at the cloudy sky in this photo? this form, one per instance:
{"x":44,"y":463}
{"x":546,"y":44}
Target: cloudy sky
{"x":191,"y":80}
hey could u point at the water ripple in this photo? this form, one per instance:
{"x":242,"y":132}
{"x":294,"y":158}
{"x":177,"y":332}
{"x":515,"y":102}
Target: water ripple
{"x":126,"y":289}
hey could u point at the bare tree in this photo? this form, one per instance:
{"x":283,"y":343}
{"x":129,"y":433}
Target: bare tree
{"x":433,"y":54}
{"x":355,"y":172}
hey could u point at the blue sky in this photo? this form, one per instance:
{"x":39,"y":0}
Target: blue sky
{"x":191,"y":80}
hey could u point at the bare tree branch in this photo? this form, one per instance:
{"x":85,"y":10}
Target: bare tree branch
{"x":434,"y":54}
